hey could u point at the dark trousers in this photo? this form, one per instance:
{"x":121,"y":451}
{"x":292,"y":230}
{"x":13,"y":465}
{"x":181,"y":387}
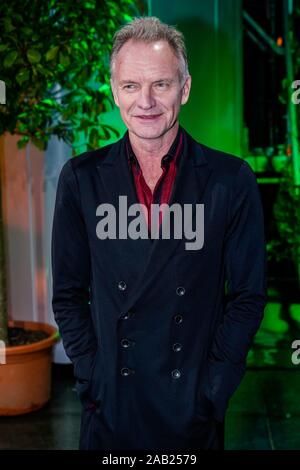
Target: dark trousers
{"x":205,"y":434}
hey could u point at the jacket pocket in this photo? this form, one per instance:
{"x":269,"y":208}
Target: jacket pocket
{"x":204,"y":404}
{"x":204,"y":409}
{"x":87,"y":388}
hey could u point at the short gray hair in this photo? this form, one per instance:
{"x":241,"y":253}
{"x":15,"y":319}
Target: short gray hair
{"x":150,"y":29}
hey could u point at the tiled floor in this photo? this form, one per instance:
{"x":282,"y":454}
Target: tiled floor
{"x":263,"y":414}
{"x":56,"y":426}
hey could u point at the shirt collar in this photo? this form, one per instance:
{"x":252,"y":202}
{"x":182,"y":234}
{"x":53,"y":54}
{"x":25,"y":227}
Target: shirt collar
{"x":166,"y":159}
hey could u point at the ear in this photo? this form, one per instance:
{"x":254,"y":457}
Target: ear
{"x":186,"y":90}
{"x":113,"y":89}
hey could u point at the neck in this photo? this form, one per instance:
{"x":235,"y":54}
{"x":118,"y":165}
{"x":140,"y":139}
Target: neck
{"x":152,"y":149}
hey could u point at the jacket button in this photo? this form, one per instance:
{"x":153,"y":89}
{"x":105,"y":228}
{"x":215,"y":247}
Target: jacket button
{"x":127,"y":315}
{"x":125,"y":371}
{"x":178,"y":319}
{"x":180,"y":291}
{"x":122,"y":285}
{"x":177,"y":347}
{"x":176,"y":374}
{"x":126,"y":343}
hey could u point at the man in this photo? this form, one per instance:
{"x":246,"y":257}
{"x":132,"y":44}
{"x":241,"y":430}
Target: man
{"x":158,"y":343}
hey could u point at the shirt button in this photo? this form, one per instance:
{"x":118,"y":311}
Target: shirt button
{"x":177,"y":347}
{"x":176,"y":374}
{"x":178,"y":319}
{"x":180,"y":291}
{"x":122,"y":285}
{"x":125,"y":371}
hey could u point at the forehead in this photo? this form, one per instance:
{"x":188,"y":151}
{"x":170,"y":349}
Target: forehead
{"x":141,"y":59}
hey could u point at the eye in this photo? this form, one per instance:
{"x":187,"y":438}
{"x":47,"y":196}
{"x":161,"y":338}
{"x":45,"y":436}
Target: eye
{"x":129,"y":87}
{"x":162,"y":85}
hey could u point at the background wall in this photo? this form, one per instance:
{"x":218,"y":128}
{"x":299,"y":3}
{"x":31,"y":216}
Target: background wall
{"x":24,"y":221}
{"x":213,"y":33}
{"x":56,"y":155}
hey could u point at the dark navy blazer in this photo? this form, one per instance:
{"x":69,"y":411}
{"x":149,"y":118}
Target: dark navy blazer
{"x":158,"y":334}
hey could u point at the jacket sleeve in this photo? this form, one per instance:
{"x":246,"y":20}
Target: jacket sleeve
{"x":70,"y":258}
{"x":245,"y":264}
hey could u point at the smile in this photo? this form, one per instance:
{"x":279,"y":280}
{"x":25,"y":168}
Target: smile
{"x":148,"y":118}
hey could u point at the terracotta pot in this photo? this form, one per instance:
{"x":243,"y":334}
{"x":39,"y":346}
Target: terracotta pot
{"x":25,"y":379}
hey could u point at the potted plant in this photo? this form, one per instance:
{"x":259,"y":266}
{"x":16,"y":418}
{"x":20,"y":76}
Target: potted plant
{"x":55,"y":65}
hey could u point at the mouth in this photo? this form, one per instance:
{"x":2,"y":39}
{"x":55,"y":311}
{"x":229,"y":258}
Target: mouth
{"x":150,"y":117}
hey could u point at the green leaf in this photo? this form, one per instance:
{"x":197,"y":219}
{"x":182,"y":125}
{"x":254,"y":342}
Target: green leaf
{"x":112,"y":129}
{"x":27,"y":31}
{"x":52,"y":53}
{"x":40,"y":144}
{"x":94,"y":138}
{"x":3,"y":47}
{"x":10,"y":59}
{"x":105,"y":88}
{"x":42,"y":70}
{"x":64,"y":59}
{"x":89,"y":5}
{"x":22,"y":142}
{"x":22,"y":76}
{"x":84,"y":45}
{"x":33,"y":55}
{"x":8,"y":26}
{"x":106,"y":134}
{"x":127,"y":18}
{"x":49,"y":102}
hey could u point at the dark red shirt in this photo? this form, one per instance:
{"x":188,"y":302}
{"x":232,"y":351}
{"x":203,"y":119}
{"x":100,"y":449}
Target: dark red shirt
{"x":163,"y":188}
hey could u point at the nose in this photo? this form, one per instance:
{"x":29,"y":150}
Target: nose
{"x":146,"y":99}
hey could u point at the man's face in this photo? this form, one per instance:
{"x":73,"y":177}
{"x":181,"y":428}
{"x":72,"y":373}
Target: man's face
{"x":147,"y":89}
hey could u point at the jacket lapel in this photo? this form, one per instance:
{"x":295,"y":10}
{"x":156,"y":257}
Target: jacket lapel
{"x":115,"y":175}
{"x":116,"y":180}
